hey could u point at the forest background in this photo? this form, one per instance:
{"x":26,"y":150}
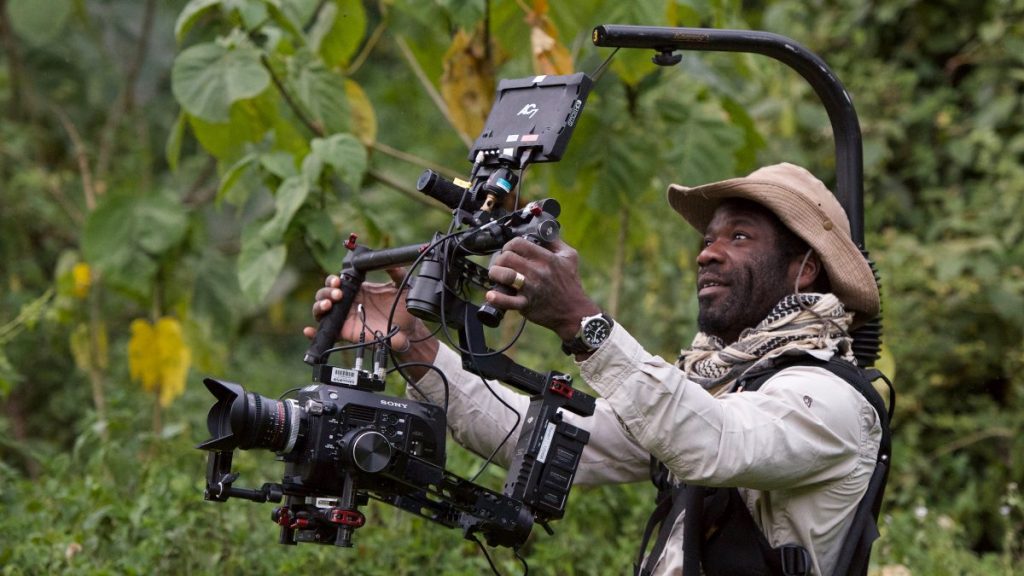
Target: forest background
{"x":176,"y":178}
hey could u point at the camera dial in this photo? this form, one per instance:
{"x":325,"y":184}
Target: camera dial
{"x":369,"y":450}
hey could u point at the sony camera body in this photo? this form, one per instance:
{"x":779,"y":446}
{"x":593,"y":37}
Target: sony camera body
{"x":384,"y":442}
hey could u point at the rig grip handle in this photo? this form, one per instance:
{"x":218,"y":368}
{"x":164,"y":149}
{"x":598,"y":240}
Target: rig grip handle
{"x":489,"y":315}
{"x":330,"y":325}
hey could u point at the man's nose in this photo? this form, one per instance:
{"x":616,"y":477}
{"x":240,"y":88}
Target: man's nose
{"x":711,"y":252}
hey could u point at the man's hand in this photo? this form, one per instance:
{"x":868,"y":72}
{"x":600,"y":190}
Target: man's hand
{"x":413,"y":341}
{"x":552,"y":295}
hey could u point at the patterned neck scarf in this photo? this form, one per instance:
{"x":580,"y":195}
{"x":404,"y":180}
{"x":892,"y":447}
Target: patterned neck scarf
{"x":799,"y":322}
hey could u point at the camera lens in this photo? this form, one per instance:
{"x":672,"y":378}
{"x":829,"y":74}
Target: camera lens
{"x":247,"y":420}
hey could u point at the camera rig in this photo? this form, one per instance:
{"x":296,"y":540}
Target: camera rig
{"x":344,"y":442}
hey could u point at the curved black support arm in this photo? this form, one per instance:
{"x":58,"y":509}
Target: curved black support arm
{"x":837,"y":102}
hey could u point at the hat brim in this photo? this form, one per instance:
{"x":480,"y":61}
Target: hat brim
{"x":849,"y":273}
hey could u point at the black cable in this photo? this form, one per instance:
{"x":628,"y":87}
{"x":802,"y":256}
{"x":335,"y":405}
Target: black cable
{"x":289,"y":391}
{"x":526,"y":567}
{"x":444,"y":379}
{"x":604,"y":65}
{"x":519,"y":418}
{"x":344,"y":347}
{"x":486,"y":555}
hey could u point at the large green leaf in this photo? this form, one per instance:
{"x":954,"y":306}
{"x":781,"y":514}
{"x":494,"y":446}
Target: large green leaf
{"x":338,"y":31}
{"x":215,"y":289}
{"x":236,"y":171}
{"x":290,"y":196}
{"x":249,"y":122}
{"x":289,"y":15}
{"x":208,"y":78}
{"x":192,"y":12}
{"x":172,"y":148}
{"x":321,"y":237}
{"x":704,"y":147}
{"x":280,"y":164}
{"x":345,"y":154}
{"x":321,"y":92}
{"x":625,"y":171}
{"x":258,"y":266}
{"x":125,"y":236}
{"x":38,"y":21}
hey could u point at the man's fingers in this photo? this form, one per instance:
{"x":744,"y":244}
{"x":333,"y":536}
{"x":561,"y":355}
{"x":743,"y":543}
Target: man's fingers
{"x":506,"y":276}
{"x":397,"y":275}
{"x":527,"y":249}
{"x":505,"y":301}
{"x":503,"y":269}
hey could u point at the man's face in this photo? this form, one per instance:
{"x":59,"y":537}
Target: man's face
{"x":742,"y":270}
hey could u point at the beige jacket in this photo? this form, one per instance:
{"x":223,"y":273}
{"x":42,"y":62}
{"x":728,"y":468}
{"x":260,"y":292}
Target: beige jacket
{"x":803,"y":447}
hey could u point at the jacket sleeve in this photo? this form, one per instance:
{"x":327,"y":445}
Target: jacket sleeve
{"x":481,"y":415}
{"x":804,"y":426}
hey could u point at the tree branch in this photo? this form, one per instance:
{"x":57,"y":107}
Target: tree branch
{"x":375,"y":37}
{"x":404,"y":189}
{"x":13,"y":63}
{"x":81,"y":156}
{"x":125,"y":102}
{"x":313,"y":127}
{"x":413,"y":159}
{"x":965,"y":441}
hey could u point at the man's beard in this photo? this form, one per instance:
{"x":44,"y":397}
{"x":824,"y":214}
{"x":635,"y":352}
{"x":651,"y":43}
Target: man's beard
{"x":745,"y":305}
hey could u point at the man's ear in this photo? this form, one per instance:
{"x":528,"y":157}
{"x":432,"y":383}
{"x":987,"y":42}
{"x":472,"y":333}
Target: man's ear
{"x":805,"y":269}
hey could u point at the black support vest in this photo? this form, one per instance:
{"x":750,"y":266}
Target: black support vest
{"x":720,"y":537}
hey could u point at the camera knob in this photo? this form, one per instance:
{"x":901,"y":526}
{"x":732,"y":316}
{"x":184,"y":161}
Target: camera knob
{"x":370,"y":451}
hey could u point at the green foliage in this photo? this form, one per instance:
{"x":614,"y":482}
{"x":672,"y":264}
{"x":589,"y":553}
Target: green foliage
{"x":38,"y":22}
{"x":204,"y":159}
{"x":125,"y":235}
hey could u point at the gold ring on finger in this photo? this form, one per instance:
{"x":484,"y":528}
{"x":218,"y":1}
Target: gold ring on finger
{"x":519,"y":281}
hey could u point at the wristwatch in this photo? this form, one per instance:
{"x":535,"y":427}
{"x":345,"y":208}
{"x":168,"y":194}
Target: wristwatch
{"x":594,"y":330}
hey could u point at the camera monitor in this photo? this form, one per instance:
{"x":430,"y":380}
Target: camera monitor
{"x":537,"y":113}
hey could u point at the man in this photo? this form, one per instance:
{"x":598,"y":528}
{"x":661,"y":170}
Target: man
{"x":779,"y":284}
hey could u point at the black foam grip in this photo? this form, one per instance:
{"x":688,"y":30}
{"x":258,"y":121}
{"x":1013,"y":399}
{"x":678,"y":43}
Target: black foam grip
{"x":448,"y":193}
{"x":489,"y":315}
{"x":330,"y":325}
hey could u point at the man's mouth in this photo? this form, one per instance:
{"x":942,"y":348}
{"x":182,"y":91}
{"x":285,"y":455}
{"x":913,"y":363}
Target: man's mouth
{"x":709,"y":286}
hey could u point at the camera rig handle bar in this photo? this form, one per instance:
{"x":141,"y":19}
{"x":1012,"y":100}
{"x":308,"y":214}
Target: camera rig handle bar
{"x":359,"y":261}
{"x":849,"y":153}
{"x":535,"y":220}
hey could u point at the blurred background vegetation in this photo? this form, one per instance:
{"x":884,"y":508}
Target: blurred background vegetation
{"x":176,"y":178}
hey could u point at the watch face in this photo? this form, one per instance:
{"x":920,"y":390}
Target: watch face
{"x":595,"y":331}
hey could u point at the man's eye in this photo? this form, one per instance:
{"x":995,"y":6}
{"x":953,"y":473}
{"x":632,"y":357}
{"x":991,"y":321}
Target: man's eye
{"x":740,"y":236}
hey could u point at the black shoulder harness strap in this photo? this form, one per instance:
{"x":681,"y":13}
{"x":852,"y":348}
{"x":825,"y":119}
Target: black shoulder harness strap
{"x":729,"y":531}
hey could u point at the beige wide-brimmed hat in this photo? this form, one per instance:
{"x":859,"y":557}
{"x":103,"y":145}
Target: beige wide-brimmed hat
{"x":804,"y":205}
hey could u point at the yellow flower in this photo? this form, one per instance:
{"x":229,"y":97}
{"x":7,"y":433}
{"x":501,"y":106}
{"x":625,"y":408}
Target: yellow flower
{"x":82,"y":276}
{"x":159,"y":358}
